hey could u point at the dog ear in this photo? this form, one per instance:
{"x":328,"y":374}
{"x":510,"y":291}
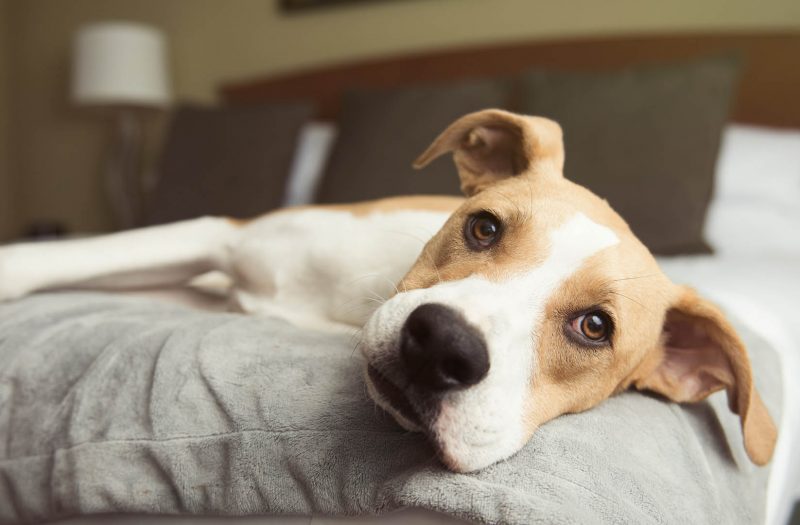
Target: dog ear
{"x":492,"y":144}
{"x":700,"y":353}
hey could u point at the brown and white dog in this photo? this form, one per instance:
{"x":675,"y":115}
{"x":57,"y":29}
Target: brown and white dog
{"x":529,"y":299}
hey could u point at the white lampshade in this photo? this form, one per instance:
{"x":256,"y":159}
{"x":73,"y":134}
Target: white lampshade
{"x":120,"y":63}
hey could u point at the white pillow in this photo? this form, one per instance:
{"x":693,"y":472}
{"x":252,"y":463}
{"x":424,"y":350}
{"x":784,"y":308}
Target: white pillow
{"x":314,"y":145}
{"x":759,"y":164}
{"x":756,"y":204}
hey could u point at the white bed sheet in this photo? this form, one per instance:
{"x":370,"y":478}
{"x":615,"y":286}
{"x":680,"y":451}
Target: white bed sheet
{"x":760,"y":293}
{"x":314,"y":146}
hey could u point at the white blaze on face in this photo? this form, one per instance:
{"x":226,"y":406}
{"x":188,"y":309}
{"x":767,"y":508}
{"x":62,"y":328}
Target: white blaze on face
{"x":484,"y":423}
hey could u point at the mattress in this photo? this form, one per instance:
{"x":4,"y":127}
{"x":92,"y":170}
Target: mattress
{"x":760,"y":293}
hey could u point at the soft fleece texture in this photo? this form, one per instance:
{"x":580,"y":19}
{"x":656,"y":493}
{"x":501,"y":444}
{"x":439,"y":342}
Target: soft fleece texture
{"x":115,"y":404}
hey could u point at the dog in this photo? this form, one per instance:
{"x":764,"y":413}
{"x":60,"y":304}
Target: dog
{"x":527,"y":299}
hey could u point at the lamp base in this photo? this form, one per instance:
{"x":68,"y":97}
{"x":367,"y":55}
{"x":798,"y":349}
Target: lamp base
{"x":123,"y":172}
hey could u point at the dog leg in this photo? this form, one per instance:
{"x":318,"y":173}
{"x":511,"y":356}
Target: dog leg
{"x":156,"y":256}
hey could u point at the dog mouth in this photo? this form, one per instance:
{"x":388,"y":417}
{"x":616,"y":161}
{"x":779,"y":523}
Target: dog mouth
{"x":393,"y":396}
{"x":458,"y":450}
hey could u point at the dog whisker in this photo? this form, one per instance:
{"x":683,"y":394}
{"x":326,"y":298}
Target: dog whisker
{"x":423,"y":241}
{"x":530,"y":195}
{"x":408,"y":234}
{"x":357,"y":337}
{"x":629,"y":298}
{"x":633,"y":278}
{"x":517,"y":209}
{"x":392,"y":283}
{"x":364,"y":276}
{"x":355,"y":348}
{"x":375,"y":295}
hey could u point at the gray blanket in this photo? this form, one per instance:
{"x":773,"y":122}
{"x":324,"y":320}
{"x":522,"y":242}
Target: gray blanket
{"x":114,"y":404}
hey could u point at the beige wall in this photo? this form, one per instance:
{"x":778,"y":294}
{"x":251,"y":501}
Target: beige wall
{"x":59,"y":148}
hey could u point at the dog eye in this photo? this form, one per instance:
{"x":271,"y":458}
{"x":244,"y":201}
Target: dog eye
{"x":593,"y":326}
{"x":482,"y":230}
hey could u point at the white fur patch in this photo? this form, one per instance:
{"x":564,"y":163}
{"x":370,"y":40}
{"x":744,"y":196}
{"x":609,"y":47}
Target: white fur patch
{"x":483,"y":424}
{"x":344,"y":267}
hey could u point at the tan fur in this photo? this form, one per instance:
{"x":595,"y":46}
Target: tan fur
{"x":571,"y":378}
{"x":486,"y":146}
{"x":724,"y":363}
{"x":443,"y":203}
{"x":511,"y":166}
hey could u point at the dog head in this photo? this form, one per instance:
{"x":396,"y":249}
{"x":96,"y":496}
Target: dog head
{"x":534,"y":300}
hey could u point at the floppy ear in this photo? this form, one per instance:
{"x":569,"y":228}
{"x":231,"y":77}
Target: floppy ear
{"x":492,"y":144}
{"x":703,"y":354}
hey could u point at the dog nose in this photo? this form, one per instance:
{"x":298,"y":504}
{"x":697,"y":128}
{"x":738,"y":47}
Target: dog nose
{"x":440,"y":350}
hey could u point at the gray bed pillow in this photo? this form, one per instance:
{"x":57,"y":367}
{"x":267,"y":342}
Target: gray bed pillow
{"x":645,"y":138}
{"x":115,"y":404}
{"x":381,"y":132}
{"x":229,"y":161}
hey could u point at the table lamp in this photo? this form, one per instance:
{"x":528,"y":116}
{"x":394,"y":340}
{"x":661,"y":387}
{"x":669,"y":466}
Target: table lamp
{"x":122,"y":66}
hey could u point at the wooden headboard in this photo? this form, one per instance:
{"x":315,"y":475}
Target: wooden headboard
{"x":769,"y":91}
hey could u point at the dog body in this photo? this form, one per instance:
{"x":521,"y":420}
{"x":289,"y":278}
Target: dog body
{"x":317,"y":266}
{"x":332,"y":264}
{"x":483,"y":317}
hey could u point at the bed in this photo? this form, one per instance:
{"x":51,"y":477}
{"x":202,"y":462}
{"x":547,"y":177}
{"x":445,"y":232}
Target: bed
{"x":753,"y":224}
{"x":755,"y":270}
